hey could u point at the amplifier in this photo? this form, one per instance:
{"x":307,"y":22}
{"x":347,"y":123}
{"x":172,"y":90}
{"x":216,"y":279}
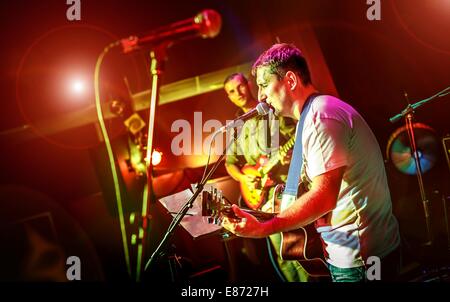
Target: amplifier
{"x":446,"y":145}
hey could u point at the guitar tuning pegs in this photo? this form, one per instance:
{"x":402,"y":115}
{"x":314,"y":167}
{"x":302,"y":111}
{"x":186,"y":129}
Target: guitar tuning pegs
{"x":214,"y":220}
{"x":217,"y":220}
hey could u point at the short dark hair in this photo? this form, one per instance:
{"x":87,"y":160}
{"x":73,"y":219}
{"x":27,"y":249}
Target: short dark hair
{"x":281,"y":58}
{"x":235,"y":75}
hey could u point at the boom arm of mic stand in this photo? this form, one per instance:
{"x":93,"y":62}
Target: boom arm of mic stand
{"x":401,"y":114}
{"x":418,"y":104}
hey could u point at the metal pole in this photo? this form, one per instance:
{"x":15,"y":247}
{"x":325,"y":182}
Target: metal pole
{"x":157,"y":57}
{"x":415,"y":152}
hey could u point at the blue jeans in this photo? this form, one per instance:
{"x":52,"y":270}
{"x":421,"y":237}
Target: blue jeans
{"x":390,"y":269}
{"x":354,"y":274}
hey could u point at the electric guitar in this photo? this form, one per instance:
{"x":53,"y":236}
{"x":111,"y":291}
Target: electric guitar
{"x":303,"y":245}
{"x":254,"y":197}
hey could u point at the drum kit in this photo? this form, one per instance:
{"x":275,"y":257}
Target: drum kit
{"x":398,"y":149}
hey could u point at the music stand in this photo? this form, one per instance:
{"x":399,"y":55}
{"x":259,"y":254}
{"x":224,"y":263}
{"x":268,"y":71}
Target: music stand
{"x":194,"y":223}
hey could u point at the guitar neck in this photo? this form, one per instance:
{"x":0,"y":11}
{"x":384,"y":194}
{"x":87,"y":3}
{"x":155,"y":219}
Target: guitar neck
{"x":275,"y":159}
{"x":260,"y":215}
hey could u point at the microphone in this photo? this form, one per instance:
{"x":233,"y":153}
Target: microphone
{"x":206,"y":24}
{"x":260,"y":109}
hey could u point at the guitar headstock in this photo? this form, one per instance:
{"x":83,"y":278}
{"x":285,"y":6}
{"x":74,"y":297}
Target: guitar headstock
{"x":215,"y":206}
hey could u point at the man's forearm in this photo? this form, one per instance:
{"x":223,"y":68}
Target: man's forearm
{"x":312,"y":205}
{"x":308,"y":208}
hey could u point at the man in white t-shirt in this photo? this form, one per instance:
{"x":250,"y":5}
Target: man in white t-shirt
{"x":348,"y":197}
{"x":247,"y":149}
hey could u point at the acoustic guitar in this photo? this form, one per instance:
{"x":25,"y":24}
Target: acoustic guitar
{"x":303,"y":245}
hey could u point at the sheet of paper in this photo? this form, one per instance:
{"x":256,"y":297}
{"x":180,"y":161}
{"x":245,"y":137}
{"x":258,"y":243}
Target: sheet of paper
{"x":193,"y":222}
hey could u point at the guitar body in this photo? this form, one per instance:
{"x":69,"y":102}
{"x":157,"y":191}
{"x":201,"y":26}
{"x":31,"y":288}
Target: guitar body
{"x":254,"y":198}
{"x":305,"y":246}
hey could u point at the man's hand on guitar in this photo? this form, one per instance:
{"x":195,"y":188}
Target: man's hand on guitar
{"x":247,"y":225}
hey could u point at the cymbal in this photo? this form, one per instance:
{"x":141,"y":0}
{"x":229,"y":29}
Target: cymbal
{"x":399,"y":149}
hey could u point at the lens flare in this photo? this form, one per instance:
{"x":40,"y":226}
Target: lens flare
{"x":77,"y":86}
{"x":156,"y":157}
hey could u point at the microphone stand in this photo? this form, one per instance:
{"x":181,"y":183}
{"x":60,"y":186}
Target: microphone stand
{"x":157,"y":58}
{"x":159,"y":251}
{"x":408,"y":114}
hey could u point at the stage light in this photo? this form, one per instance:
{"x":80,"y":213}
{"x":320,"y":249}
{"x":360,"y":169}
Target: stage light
{"x":156,"y":157}
{"x":77,"y":86}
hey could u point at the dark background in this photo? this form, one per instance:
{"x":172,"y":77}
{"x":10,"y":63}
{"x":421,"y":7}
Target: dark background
{"x":371,"y":63}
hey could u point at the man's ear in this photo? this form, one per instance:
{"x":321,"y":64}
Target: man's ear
{"x":292,"y":79}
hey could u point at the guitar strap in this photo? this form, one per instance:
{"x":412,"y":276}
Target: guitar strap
{"x":295,"y":167}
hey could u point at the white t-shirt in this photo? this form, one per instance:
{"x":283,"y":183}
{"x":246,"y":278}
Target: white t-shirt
{"x":362,"y":224}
